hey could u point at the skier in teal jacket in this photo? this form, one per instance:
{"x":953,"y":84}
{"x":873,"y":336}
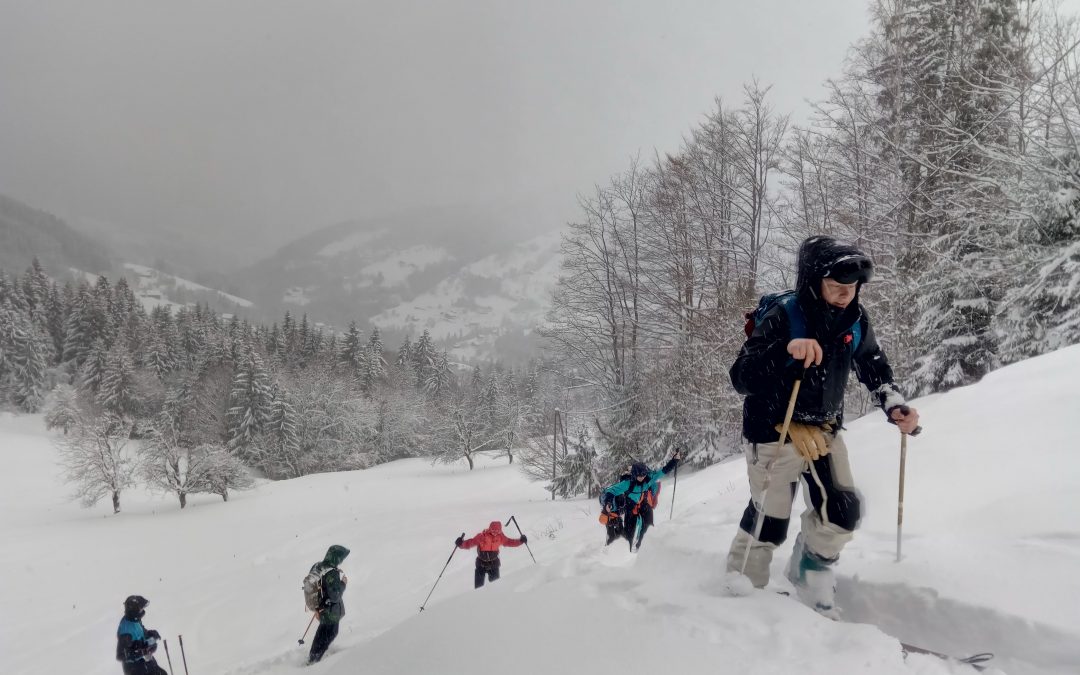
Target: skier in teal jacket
{"x":634,"y":498}
{"x":135,"y":646}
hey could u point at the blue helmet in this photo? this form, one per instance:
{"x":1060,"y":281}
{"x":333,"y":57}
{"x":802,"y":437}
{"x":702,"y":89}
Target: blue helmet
{"x":638,"y":470}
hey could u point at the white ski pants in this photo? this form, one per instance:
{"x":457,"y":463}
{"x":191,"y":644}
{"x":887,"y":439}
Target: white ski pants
{"x":830,"y":518}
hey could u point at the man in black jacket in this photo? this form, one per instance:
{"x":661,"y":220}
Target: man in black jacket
{"x":331,"y":600}
{"x":823,"y":329}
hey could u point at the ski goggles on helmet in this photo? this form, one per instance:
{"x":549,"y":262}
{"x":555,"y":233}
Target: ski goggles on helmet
{"x":850,"y":269}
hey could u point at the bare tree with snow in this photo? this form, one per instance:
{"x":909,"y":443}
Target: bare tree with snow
{"x":96,"y":460}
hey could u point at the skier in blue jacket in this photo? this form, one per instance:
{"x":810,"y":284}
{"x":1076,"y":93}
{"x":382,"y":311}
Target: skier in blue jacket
{"x":634,"y":498}
{"x":135,"y":646}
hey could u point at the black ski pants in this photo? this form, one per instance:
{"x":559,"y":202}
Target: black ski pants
{"x":630,"y":522}
{"x":488,"y":569}
{"x":614,"y":529}
{"x":323,"y":637}
{"x":143,"y":668}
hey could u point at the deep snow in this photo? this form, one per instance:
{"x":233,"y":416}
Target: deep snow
{"x":992,"y":553}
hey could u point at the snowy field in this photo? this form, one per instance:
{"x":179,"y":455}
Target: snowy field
{"x":992,"y":562}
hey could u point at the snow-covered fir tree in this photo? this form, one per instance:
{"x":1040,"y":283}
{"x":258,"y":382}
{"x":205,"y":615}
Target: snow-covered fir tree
{"x":249,"y":401}
{"x":116,"y":393}
{"x":353,"y":353}
{"x":424,"y":357}
{"x":24,"y":358}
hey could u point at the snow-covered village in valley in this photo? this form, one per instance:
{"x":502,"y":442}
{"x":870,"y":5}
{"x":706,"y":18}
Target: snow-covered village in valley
{"x":555,"y":338}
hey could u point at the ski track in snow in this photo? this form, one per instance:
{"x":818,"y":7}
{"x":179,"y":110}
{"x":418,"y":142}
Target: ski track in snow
{"x":990,"y":564}
{"x":920,"y":616}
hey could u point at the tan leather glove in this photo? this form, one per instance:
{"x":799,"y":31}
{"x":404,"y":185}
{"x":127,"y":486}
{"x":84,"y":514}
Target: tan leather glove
{"x":809,"y":440}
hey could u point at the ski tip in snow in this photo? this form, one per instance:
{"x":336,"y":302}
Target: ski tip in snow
{"x":736,"y":585}
{"x":977,"y":661}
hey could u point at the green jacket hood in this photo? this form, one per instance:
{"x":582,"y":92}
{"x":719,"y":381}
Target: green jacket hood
{"x":335,"y":555}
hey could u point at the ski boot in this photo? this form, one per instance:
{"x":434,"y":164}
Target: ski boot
{"x":813,"y":579}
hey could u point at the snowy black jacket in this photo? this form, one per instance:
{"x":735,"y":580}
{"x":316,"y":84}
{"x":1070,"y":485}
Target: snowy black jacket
{"x":332,"y":599}
{"x":765,"y":373}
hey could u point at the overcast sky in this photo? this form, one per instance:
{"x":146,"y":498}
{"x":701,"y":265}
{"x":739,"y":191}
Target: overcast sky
{"x":264,"y":119}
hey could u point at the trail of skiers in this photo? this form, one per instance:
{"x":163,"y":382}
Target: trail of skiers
{"x":792,"y":370}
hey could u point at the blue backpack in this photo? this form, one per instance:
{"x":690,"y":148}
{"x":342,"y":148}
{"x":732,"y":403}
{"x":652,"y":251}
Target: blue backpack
{"x":789,"y":300}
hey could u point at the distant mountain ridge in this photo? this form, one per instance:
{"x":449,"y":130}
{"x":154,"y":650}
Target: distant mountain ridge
{"x":155,"y":288}
{"x":477,"y":287}
{"x":26,"y":232}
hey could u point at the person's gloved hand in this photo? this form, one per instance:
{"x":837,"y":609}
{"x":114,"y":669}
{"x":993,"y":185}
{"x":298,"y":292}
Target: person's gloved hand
{"x":154,"y":634}
{"x":524,"y":539}
{"x":905,"y":417}
{"x":459,"y":541}
{"x":808,"y":439}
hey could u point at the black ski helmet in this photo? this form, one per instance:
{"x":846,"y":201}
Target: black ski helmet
{"x":135,"y":606}
{"x":823,"y":257}
{"x":638,"y":470}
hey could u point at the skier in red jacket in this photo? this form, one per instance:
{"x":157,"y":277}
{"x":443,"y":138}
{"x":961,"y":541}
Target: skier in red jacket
{"x":487,"y":544}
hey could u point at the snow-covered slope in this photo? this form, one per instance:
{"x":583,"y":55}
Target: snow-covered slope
{"x":992,"y":549}
{"x":508,"y":290}
{"x":156,"y":288}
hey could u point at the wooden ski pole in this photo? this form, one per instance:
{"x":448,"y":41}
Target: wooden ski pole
{"x":900,"y":501}
{"x":313,"y":615}
{"x":903,"y":468}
